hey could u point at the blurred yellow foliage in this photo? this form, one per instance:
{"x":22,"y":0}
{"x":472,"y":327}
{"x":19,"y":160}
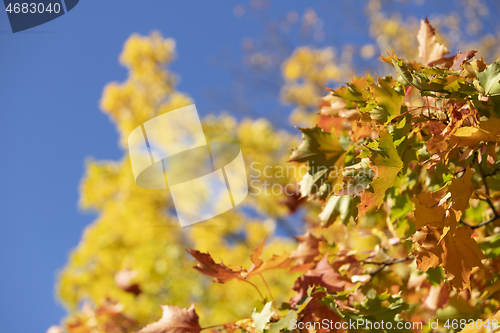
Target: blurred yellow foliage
{"x":136,"y":229}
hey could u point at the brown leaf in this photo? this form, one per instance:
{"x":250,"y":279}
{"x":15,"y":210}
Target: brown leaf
{"x":223,"y":273}
{"x":124,"y":280}
{"x":430,"y":51}
{"x":435,"y":145}
{"x":108,"y":317}
{"x":438,"y":296}
{"x":461,"y":190}
{"x":322,"y":275}
{"x":307,"y":249}
{"x":220,"y":272}
{"x":175,"y":320}
{"x":456,"y":252}
{"x":293,"y":200}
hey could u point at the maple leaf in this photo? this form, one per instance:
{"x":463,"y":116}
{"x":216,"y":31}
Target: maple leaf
{"x":489,"y":79}
{"x":386,"y":163}
{"x":220,"y":272}
{"x":488,"y":131}
{"x":449,"y":83}
{"x":323,"y":274}
{"x":259,"y":266}
{"x":456,"y":252}
{"x":282,"y":261}
{"x":175,"y":320}
{"x":427,"y":211}
{"x":438,"y":296}
{"x":461,"y":191}
{"x":472,"y":68}
{"x":261,"y":319}
{"x":325,"y":153}
{"x":436,"y":145}
{"x":388,"y":101}
{"x":355,"y":92}
{"x":335,"y":106}
{"x":283,"y":323}
{"x":460,"y":58}
{"x":223,"y":273}
{"x":317,"y":144}
{"x":307,"y":249}
{"x":429,"y":49}
{"x":383,"y":307}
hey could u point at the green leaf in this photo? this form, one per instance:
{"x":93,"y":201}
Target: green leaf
{"x":375,"y":311}
{"x":356,"y":91}
{"x":491,"y":248}
{"x":261,"y":319}
{"x":388,"y":99}
{"x":336,"y":206}
{"x":402,"y":206}
{"x":284,"y":323}
{"x":317,"y":145}
{"x":386,"y":166}
{"x":405,"y":76}
{"x":435,"y":275}
{"x":489,"y":79}
{"x":308,"y":181}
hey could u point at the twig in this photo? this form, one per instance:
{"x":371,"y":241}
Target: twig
{"x":493,"y":173}
{"x":483,"y":177}
{"x":386,"y":263}
{"x":267,"y":286}
{"x":496,"y":215}
{"x":256,"y":288}
{"x":482,"y":224}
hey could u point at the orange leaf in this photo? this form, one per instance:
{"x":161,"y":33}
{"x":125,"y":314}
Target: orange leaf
{"x":307,"y":249}
{"x":220,"y":272}
{"x":175,"y":320}
{"x":456,"y":252}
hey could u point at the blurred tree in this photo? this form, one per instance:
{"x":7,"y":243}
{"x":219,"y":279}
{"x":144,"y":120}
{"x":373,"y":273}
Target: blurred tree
{"x":134,"y":253}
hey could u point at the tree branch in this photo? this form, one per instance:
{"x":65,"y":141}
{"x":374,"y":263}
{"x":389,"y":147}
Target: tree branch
{"x":386,"y":263}
{"x":496,"y":215}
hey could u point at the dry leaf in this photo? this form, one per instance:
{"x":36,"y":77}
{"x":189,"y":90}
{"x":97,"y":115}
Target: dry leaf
{"x":175,"y":320}
{"x":430,"y":51}
{"x":307,"y":249}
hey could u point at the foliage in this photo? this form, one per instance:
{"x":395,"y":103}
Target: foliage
{"x":405,"y":171}
{"x":134,"y":253}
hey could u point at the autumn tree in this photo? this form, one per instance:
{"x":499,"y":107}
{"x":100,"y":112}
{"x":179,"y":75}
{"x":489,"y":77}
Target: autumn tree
{"x":400,"y":173}
{"x":407,"y":184}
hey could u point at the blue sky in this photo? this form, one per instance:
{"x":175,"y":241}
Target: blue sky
{"x":51,"y":82}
